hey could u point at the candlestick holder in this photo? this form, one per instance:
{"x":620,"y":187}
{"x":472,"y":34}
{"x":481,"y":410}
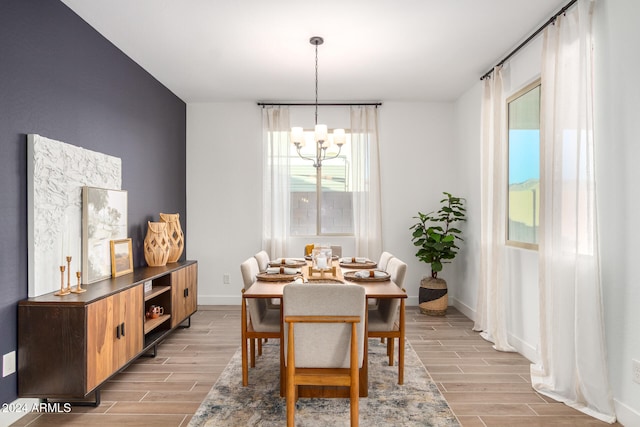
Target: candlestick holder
{"x":78,"y":289}
{"x":68,"y":274}
{"x":62,"y":291}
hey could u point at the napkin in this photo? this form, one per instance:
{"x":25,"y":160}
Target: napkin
{"x":363,"y":274}
{"x":282,"y":270}
{"x":349,"y":260}
{"x":285,"y":261}
{"x":298,"y":280}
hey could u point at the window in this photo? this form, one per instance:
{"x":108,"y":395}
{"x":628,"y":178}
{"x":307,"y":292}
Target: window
{"x":524,"y":167}
{"x":327,"y":187}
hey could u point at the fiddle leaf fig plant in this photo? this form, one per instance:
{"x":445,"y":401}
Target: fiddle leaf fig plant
{"x":435,"y":235}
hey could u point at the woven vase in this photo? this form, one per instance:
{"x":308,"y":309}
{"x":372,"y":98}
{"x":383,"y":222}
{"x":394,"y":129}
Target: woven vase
{"x":156,"y":244}
{"x":176,"y":236}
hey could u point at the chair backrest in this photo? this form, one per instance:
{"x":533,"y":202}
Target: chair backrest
{"x":388,"y":308}
{"x":384,"y":260}
{"x":397,"y":269}
{"x":322,"y":345}
{"x":263,"y":260}
{"x":336,"y":250}
{"x":249,"y":269}
{"x":257,"y":306}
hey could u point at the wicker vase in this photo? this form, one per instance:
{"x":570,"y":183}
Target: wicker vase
{"x":176,"y":236}
{"x":433,"y":296}
{"x":156,"y":244}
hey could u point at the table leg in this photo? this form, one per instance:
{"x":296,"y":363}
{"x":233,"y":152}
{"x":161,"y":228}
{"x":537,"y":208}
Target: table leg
{"x":245,"y":368}
{"x":283,"y":376}
{"x":401,"y":345}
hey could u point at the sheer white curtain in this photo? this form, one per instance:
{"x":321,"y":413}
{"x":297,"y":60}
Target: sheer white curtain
{"x":573,"y":365}
{"x":491,"y":309}
{"x":365,"y":179}
{"x":275,"y":204}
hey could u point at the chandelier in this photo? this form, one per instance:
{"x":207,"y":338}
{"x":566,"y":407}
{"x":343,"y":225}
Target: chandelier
{"x":321,"y":135}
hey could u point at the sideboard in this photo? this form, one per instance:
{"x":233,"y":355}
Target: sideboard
{"x":68,"y":346}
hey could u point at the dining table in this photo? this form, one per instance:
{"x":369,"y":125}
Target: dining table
{"x":374,"y":290}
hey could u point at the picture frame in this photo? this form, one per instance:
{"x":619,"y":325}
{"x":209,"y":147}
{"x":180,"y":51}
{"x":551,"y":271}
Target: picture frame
{"x":104,"y":218}
{"x":121,"y":257}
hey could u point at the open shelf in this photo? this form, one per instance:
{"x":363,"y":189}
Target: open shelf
{"x":151,"y":324}
{"x":155,"y":291}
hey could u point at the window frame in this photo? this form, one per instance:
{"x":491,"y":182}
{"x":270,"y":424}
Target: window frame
{"x":319,"y":193}
{"x":522,"y":91}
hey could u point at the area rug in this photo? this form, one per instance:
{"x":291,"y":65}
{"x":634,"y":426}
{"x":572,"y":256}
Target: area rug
{"x":415,"y":403}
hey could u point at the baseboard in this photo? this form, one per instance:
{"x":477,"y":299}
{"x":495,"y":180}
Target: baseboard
{"x":626,"y":416}
{"x":12,"y":412}
{"x":524,"y":348}
{"x":463,"y":308}
{"x":219,"y":300}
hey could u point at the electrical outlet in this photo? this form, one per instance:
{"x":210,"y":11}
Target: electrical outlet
{"x":8,"y":364}
{"x":636,"y":370}
{"x":226,"y":278}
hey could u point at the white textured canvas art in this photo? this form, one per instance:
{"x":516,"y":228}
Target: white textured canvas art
{"x":56,"y":173}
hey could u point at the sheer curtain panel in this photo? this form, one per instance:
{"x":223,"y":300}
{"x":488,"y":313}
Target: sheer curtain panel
{"x":276,"y":200}
{"x":491,"y":309}
{"x":365,"y":179}
{"x":573,"y":365}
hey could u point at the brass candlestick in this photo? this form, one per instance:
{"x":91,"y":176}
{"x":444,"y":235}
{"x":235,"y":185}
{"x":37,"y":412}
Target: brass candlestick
{"x":78,"y":288}
{"x":68,"y":274}
{"x":62,"y":290}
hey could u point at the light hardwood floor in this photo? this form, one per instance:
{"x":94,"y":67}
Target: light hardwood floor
{"x":483,"y":387}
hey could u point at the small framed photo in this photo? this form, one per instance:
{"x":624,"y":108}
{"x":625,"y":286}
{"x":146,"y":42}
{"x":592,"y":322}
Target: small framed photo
{"x":121,"y":257}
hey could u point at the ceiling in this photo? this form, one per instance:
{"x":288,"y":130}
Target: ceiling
{"x":259,"y":50}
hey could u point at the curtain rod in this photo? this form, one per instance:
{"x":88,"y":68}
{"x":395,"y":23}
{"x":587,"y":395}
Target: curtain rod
{"x":524,"y":43}
{"x":322,"y":104}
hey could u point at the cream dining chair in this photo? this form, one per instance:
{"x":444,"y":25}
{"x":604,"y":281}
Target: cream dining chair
{"x":324,"y":339}
{"x":263,"y":323}
{"x":383,"y":319}
{"x":384,"y":260}
{"x":263,"y":260}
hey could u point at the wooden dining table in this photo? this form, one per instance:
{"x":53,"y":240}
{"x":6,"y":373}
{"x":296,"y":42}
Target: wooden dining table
{"x":373,"y":290}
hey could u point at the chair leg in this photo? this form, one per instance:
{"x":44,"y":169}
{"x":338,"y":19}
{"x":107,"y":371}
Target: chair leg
{"x":390,"y":350}
{"x":259,"y":346}
{"x":252,"y":347}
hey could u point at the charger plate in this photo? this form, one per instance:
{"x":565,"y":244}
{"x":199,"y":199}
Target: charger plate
{"x":297,"y":263}
{"x":277,"y":277}
{"x":351,"y":276}
{"x":368,"y":264}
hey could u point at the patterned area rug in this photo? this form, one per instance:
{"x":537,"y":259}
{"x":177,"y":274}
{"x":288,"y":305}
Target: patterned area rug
{"x":415,"y":403}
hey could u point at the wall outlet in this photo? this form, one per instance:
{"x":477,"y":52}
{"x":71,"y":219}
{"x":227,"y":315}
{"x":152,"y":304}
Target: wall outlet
{"x":226,"y":278}
{"x":636,"y":370}
{"x":8,"y":364}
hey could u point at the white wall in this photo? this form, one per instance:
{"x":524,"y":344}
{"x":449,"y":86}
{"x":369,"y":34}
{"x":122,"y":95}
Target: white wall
{"x":617,"y":95}
{"x":224,"y":173}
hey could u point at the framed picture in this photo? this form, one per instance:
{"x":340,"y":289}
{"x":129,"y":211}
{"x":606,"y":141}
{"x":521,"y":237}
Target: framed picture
{"x":104,"y":218}
{"x":121,"y":257}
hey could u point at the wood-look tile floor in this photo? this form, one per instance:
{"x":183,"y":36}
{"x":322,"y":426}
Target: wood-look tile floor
{"x":483,"y":387}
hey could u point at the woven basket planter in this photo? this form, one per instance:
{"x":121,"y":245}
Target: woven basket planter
{"x":433,"y":296}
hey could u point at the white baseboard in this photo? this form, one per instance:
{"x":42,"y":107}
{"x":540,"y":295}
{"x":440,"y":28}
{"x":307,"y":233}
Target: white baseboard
{"x":16,"y":410}
{"x":463,"y":308}
{"x":626,"y":416}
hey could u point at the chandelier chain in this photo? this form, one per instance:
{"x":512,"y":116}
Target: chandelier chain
{"x":316,"y":83}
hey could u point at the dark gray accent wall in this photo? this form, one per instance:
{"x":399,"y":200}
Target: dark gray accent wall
{"x":61,"y":79}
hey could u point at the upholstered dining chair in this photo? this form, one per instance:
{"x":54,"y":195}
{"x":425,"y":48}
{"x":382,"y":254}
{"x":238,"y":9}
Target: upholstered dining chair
{"x":263,"y":260}
{"x":263,"y":323}
{"x":384,"y":260}
{"x":324,"y":339}
{"x":383,"y":319}
{"x":263,"y":263}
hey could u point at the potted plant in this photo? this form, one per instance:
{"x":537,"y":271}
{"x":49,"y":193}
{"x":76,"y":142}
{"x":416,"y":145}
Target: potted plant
{"x":435,"y":236}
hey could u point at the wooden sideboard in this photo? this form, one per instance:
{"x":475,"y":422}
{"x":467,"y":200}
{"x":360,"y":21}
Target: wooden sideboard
{"x":69,"y":346}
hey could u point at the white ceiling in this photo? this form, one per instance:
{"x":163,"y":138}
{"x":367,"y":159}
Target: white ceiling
{"x":259,"y":50}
